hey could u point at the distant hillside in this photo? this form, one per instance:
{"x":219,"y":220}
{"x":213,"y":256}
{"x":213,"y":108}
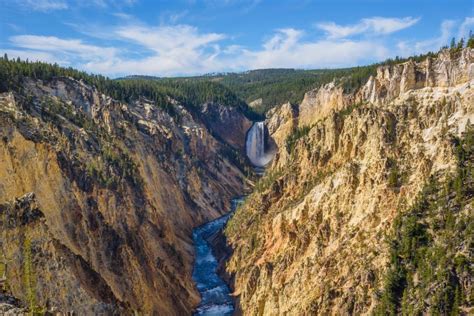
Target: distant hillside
{"x":191,"y":94}
{"x":273,"y":86}
{"x":277,"y":86}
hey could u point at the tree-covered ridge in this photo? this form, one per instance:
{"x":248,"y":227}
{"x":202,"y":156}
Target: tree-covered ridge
{"x":278,"y":86}
{"x":431,"y":247}
{"x":191,"y":94}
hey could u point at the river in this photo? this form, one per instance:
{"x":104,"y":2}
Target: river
{"x":215,"y":293}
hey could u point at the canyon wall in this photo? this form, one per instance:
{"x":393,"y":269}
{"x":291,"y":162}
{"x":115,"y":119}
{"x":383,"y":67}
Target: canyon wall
{"x":312,"y":238}
{"x":98,"y":198}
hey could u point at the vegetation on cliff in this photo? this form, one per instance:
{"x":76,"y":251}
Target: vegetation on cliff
{"x":431,"y":245}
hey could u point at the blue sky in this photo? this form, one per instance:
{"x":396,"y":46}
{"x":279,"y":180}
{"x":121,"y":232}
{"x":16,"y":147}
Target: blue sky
{"x":188,"y":37}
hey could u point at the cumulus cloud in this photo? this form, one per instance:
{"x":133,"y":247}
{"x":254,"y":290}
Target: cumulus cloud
{"x":288,"y":49}
{"x":370,"y":26}
{"x":184,"y":50}
{"x":168,"y":40}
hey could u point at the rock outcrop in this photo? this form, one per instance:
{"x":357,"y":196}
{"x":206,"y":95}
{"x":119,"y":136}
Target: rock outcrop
{"x":317,"y":104}
{"x":443,"y":72}
{"x":229,"y":123}
{"x":311,"y":238}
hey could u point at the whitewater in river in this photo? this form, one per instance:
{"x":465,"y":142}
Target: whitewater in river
{"x":215,"y":294}
{"x":255,"y":145}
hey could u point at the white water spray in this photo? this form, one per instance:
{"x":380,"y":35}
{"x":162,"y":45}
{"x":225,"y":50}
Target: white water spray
{"x":255,"y":145}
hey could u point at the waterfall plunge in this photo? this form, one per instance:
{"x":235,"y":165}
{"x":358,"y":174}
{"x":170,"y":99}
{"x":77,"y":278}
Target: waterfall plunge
{"x":255,"y":145}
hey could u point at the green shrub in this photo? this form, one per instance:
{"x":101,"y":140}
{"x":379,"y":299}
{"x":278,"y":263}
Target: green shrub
{"x":395,"y":177}
{"x":348,"y":110}
{"x":29,"y":278}
{"x":297,"y":134}
{"x":425,"y":241}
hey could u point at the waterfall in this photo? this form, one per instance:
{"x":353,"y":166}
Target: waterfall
{"x":255,"y":145}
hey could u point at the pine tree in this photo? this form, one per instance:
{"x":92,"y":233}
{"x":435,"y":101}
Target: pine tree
{"x":470,"y":40}
{"x":453,"y":43}
{"x":457,"y":302}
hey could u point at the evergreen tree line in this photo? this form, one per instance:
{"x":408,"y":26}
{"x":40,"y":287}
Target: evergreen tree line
{"x":278,"y":86}
{"x":430,"y":259}
{"x":191,"y":94}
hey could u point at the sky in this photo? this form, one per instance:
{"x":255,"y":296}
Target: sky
{"x":191,"y":37}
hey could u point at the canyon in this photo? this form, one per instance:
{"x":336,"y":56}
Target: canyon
{"x":99,"y":197}
{"x":115,"y":207}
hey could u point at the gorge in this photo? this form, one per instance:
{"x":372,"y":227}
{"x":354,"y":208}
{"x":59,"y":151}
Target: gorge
{"x":119,"y":197}
{"x":216,"y":298}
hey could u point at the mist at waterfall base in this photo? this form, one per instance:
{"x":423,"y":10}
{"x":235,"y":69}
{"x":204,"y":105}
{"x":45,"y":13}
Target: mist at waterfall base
{"x":255,"y":145}
{"x":215,"y":294}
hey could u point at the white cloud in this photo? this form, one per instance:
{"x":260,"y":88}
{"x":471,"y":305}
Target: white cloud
{"x":407,"y":48}
{"x":370,"y":26}
{"x":287,"y":49}
{"x":168,"y":40}
{"x":167,"y":50}
{"x":184,"y":50}
{"x":55,"y":44}
{"x":175,"y":17}
{"x":283,"y":39}
{"x":466,"y":26}
{"x":33,"y":56}
{"x":107,"y":3}
{"x":52,"y":5}
{"x":179,"y":49}
{"x":45,"y":5}
{"x":63,"y":51}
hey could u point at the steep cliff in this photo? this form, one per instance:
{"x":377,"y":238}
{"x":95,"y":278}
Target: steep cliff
{"x":313,"y":237}
{"x":113,"y":190}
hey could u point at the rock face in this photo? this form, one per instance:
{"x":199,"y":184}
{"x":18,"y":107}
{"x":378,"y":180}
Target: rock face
{"x":444,"y":71}
{"x":310,"y":239}
{"x":317,"y":104}
{"x":115,"y":192}
{"x":228,"y":123}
